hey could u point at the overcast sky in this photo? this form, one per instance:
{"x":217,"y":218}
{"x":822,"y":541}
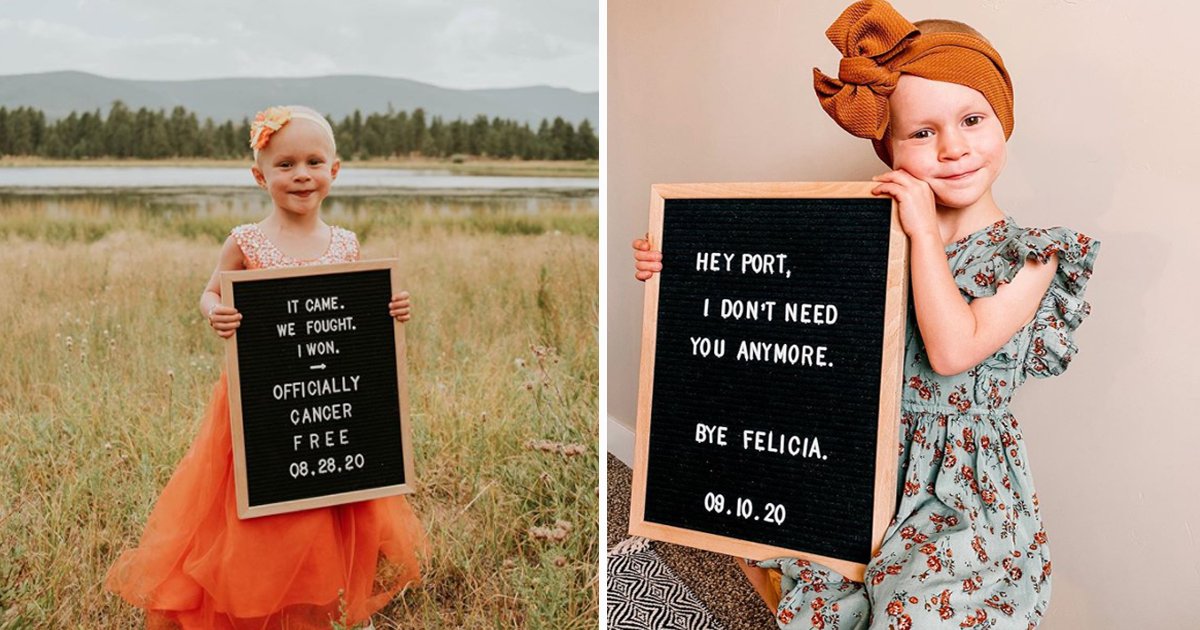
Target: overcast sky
{"x":450,"y":43}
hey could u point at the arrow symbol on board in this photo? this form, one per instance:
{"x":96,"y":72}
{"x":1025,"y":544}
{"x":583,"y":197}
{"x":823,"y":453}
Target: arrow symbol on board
{"x":320,"y":366}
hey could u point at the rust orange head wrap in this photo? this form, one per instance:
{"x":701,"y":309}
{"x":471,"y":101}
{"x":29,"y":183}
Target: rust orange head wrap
{"x":878,"y":45}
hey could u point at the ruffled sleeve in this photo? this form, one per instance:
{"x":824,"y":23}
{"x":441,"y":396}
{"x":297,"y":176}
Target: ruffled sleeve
{"x":1062,"y":308}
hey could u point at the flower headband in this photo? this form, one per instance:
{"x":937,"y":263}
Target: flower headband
{"x":272,"y":119}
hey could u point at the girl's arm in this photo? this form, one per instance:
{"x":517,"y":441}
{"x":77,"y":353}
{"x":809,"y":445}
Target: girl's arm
{"x":223,"y":319}
{"x":958,"y":336}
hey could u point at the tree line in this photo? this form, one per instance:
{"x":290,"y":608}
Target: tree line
{"x":151,"y":134}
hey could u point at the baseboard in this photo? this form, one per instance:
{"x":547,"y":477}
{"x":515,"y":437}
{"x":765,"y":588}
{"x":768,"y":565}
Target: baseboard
{"x":620,"y":441}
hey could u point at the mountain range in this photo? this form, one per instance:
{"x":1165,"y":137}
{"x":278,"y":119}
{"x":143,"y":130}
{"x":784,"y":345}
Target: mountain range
{"x":59,"y":93}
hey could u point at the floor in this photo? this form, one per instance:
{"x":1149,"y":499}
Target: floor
{"x":713,"y":579}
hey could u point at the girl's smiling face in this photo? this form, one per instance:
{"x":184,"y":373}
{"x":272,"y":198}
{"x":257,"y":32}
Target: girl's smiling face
{"x":297,"y":166}
{"x":948,"y":136}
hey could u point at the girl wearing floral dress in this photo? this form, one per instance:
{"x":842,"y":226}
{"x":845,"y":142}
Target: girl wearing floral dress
{"x":199,"y":566}
{"x":993,"y":303}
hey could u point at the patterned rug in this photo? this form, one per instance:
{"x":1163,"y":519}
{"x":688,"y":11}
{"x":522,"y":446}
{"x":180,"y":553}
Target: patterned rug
{"x":644,"y":594}
{"x":659,"y":586}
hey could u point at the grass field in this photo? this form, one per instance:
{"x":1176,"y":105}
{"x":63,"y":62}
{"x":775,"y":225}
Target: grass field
{"x":107,"y":365}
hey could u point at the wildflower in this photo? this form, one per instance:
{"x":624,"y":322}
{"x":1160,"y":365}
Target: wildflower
{"x":547,"y":446}
{"x":558,"y":533}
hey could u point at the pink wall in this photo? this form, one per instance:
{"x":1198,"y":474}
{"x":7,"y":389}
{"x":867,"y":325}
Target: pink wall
{"x":1105,"y":142}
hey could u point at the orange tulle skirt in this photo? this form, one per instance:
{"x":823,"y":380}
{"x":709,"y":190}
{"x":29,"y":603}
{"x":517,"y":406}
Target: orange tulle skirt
{"x":199,"y":566}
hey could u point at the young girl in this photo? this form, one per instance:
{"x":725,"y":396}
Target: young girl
{"x":992,"y":304}
{"x":198,"y":565}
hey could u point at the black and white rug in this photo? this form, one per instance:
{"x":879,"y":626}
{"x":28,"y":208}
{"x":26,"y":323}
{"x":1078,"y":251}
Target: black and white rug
{"x":656,"y":585}
{"x":644,"y":594}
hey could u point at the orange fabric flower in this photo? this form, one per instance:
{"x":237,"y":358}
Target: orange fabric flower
{"x":266,"y":123}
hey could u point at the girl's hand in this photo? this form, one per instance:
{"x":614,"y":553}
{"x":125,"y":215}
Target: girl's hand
{"x":400,"y":307}
{"x":224,"y":319}
{"x":647,"y":262}
{"x":918,"y":209}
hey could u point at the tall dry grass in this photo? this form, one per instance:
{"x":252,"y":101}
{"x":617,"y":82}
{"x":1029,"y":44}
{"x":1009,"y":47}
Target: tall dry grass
{"x":106,"y":365}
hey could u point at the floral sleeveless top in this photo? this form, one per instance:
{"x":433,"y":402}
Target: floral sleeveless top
{"x":261,"y":253}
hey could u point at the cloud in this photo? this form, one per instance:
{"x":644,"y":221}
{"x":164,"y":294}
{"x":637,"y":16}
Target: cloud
{"x":55,"y":32}
{"x":468,"y":43}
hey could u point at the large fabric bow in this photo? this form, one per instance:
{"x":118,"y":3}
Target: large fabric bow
{"x":867,"y":34}
{"x":878,"y":45}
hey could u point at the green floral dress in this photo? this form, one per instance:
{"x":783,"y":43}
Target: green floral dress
{"x":966,"y":548}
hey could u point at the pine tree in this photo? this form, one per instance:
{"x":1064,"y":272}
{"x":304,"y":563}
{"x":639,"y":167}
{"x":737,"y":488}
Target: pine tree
{"x":419,"y":133}
{"x":401,"y":134}
{"x":588,"y":145}
{"x":434,"y":143}
{"x":88,"y":140}
{"x":206,"y":141}
{"x":118,"y":131}
{"x":156,"y":134}
{"x":5,"y":146}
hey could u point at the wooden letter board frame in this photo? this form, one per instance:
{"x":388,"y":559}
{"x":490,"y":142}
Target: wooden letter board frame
{"x":228,"y":281}
{"x":890,"y":383}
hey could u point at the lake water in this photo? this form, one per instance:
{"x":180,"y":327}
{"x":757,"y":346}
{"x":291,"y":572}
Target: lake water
{"x":65,"y":202}
{"x":99,"y":177}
